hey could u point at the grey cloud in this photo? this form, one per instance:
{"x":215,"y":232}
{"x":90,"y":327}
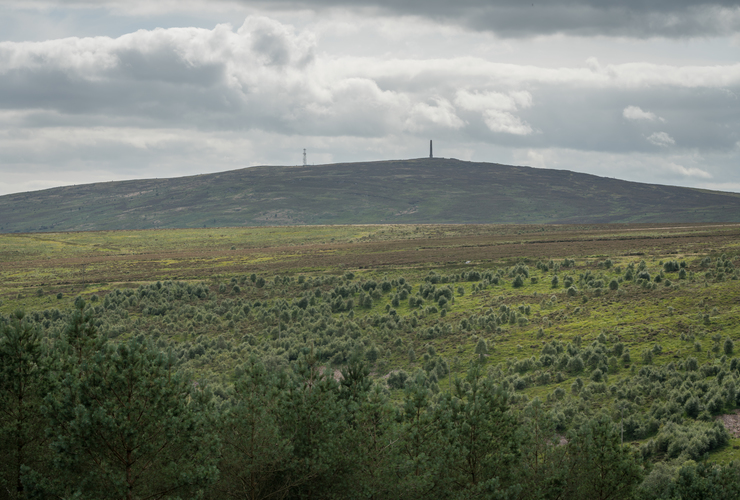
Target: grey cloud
{"x":265,"y":76}
{"x":164,"y":65}
{"x":259,"y":77}
{"x":150,"y":96}
{"x":274,"y":44}
{"x":592,"y":120}
{"x":105,"y":99}
{"x":506,"y":18}
{"x":272,"y":47}
{"x":187,"y":100}
{"x":193,"y":77}
{"x":513,"y":18}
{"x":615,"y":20}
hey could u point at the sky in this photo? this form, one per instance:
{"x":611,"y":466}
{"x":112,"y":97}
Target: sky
{"x":102,"y":90}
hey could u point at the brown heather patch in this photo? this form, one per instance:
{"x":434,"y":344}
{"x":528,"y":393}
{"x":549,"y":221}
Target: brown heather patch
{"x":385,"y":247}
{"x":731,"y":422}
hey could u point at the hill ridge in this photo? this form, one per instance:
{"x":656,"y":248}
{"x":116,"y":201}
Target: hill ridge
{"x":420,"y":190}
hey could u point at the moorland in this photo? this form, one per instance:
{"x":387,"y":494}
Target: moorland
{"x":372,"y":361}
{"x":417,"y":191}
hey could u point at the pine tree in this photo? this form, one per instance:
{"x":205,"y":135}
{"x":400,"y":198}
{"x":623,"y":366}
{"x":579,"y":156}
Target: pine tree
{"x":79,"y":341}
{"x":540,"y":468}
{"x":481,"y":349}
{"x":256,"y":457}
{"x":373,"y":457}
{"x":422,"y":444}
{"x":555,"y":281}
{"x":484,"y":444}
{"x":22,"y":387}
{"x":729,"y":346}
{"x":316,"y":422}
{"x":598,"y":466}
{"x":127,"y":425}
{"x":707,"y":481}
{"x":375,"y":454}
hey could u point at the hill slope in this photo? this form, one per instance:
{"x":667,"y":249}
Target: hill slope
{"x":404,"y":191}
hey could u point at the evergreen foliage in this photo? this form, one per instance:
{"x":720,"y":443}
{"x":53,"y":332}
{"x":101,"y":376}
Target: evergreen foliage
{"x":123,"y":425}
{"x":23,"y":385}
{"x":266,"y":392}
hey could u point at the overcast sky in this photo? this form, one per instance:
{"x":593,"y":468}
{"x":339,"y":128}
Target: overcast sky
{"x":104,"y":90}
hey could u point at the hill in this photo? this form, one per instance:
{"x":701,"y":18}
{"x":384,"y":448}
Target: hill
{"x":405,"y":191}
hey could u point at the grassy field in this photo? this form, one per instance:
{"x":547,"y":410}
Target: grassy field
{"x":675,"y":315}
{"x":56,"y":261}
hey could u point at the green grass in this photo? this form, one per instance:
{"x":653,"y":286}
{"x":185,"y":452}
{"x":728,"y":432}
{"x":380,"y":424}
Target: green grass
{"x":729,"y":453}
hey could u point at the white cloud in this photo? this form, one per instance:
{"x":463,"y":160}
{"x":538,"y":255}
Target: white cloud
{"x":173,"y":100}
{"x":722,"y":186}
{"x":681,"y":169}
{"x":497,"y":109}
{"x":503,"y":121}
{"x":688,"y":172}
{"x":661,"y":139}
{"x":625,"y":76}
{"x":493,"y":100}
{"x":536,"y":159}
{"x":441,"y":114}
{"x":635,"y":113}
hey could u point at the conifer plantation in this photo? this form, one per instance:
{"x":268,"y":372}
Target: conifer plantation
{"x":606,"y":374}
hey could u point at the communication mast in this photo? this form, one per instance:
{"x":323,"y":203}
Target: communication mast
{"x":304,"y":157}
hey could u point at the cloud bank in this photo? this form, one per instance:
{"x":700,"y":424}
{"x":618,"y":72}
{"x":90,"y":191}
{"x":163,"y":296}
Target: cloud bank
{"x":178,"y":101}
{"x":506,"y":18}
